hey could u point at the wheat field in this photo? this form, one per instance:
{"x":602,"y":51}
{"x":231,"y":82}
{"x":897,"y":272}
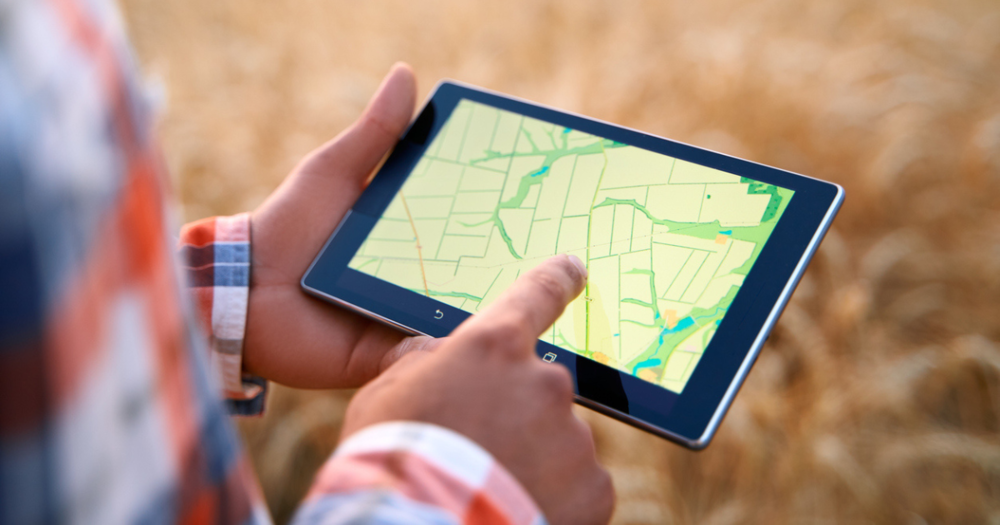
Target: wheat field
{"x":877,"y":398}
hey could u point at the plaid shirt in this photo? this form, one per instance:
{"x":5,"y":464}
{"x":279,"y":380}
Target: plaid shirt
{"x":109,"y":409}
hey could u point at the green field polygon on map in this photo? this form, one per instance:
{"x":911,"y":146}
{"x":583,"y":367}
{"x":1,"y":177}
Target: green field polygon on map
{"x":667,"y":243}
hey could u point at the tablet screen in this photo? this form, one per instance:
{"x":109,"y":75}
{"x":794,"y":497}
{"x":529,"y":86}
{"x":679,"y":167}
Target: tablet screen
{"x":667,"y":243}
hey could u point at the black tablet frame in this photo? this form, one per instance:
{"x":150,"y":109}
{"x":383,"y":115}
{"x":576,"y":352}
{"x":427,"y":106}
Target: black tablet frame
{"x":690,"y":418}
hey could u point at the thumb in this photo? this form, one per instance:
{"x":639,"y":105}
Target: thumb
{"x":291,"y":226}
{"x":353,"y":154}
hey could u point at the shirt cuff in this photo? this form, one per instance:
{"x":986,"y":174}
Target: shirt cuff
{"x":423,"y":470}
{"x":216,"y":255}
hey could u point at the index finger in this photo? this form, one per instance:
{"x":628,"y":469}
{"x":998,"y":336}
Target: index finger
{"x":532,"y":304}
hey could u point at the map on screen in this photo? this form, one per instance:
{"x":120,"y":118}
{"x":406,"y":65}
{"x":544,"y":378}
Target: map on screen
{"x":667,"y":243}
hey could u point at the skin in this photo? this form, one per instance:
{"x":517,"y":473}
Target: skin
{"x":520,"y":411}
{"x":329,"y":347}
{"x":486,"y":382}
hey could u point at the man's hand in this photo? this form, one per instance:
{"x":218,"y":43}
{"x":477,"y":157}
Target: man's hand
{"x":485,"y":381}
{"x":295,"y":339}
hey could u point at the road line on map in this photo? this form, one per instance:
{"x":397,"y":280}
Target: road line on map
{"x":416,"y":236}
{"x":586,"y":302}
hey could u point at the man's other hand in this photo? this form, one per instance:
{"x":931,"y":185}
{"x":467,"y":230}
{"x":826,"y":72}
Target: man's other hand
{"x":486,"y":382}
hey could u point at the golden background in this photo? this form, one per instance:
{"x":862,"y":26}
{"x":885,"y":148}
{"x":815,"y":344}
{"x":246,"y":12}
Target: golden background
{"x":877,"y":399}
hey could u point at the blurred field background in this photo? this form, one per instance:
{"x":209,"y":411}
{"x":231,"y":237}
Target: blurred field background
{"x":877,"y":399}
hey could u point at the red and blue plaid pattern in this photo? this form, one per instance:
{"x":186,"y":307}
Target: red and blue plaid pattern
{"x":216,"y":252}
{"x":404,"y":472}
{"x":108,"y":409}
{"x":109,"y":413}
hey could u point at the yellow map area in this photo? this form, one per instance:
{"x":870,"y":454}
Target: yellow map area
{"x":667,"y":243}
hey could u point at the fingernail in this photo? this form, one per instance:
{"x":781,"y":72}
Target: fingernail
{"x":579,"y":264}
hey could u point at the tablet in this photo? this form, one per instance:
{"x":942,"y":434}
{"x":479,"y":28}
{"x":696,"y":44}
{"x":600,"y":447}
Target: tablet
{"x":691,"y":254}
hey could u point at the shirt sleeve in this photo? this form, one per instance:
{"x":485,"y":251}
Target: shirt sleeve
{"x":407,"y":472}
{"x":215,"y":254}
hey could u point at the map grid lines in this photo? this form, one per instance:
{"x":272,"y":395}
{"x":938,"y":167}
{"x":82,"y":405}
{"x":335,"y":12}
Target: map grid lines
{"x":667,"y":243}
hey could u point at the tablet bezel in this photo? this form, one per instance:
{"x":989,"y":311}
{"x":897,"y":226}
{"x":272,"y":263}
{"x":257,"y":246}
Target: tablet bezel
{"x":690,"y":418}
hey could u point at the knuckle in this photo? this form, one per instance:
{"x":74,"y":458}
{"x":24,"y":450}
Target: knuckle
{"x":376,"y":123}
{"x":557,"y":384}
{"x":584,"y":438}
{"x":599,"y":485}
{"x":503,"y":336}
{"x":604,"y":497}
{"x":585,"y":431}
{"x":490,"y":337}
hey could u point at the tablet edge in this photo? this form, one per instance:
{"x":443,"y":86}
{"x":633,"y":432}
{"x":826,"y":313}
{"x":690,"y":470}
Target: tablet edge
{"x":772,"y":319}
